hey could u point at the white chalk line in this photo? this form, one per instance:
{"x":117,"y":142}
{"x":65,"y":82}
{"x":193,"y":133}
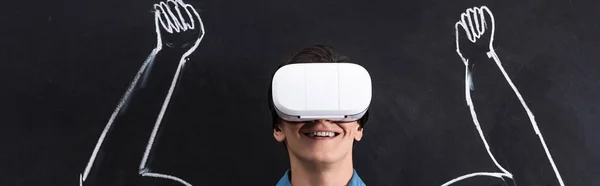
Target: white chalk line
{"x":474,"y":33}
{"x":164,"y":176}
{"x":504,"y":172}
{"x":183,"y":26}
{"x":173,"y":22}
{"x":170,"y":93}
{"x":489,"y":174}
{"x":143,"y":164}
{"x":531,"y":118}
{"x":122,"y":102}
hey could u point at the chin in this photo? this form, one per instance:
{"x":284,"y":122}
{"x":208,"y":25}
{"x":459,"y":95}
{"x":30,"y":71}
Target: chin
{"x":323,"y":158}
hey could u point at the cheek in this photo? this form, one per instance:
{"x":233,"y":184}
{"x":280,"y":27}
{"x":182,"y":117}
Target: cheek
{"x":350,"y":129}
{"x":292,"y":129}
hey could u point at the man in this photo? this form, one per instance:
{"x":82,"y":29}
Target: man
{"x":318,"y":161}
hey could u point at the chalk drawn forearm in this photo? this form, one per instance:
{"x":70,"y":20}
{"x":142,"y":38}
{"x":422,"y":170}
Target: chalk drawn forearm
{"x":477,"y":24}
{"x":173,"y":24}
{"x":172,"y":19}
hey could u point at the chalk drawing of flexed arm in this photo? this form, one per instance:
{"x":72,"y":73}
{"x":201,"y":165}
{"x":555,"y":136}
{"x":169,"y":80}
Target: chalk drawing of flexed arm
{"x":119,"y":158}
{"x":476,"y":28}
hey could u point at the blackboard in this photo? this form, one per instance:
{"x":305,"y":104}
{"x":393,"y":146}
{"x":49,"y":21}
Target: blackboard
{"x":66,"y":65}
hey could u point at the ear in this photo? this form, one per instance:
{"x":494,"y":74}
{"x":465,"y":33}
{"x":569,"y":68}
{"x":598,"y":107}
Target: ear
{"x":359,"y":134}
{"x":278,"y":133}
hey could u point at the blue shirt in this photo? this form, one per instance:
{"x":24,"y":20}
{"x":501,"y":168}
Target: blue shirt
{"x":355,"y":181}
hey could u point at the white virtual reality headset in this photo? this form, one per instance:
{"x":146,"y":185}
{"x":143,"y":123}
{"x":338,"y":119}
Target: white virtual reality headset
{"x":310,"y":91}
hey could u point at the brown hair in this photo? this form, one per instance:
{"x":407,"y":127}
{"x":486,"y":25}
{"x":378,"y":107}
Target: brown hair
{"x":317,"y":53}
{"x":313,"y":54}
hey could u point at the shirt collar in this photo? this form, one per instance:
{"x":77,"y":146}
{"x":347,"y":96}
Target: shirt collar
{"x":354,"y":181}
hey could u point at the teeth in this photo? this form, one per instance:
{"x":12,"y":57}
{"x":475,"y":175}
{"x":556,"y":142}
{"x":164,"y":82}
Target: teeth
{"x":322,"y":134}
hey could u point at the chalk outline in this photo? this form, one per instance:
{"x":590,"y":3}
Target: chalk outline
{"x":179,"y":25}
{"x":477,"y":31}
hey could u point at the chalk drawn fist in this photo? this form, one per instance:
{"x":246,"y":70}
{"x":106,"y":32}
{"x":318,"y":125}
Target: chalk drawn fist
{"x":178,"y":26}
{"x":475,"y":33}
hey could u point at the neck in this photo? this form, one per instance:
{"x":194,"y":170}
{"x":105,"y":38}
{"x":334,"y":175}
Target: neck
{"x":312,"y":174}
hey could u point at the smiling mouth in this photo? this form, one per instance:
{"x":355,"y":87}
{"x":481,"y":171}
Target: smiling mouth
{"x":322,"y":134}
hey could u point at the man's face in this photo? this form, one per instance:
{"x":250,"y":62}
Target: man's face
{"x":312,"y":141}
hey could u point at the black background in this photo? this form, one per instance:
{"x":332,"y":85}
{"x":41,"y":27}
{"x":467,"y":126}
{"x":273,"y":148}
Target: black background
{"x":65,"y":64}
